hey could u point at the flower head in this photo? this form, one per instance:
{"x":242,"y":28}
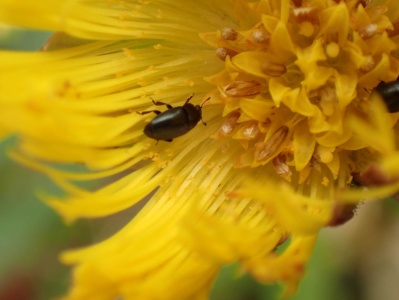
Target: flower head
{"x":290,"y":121}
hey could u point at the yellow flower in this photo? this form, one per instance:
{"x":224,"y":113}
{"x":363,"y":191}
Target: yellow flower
{"x":290,"y":122}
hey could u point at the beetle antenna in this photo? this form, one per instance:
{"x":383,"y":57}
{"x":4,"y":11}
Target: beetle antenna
{"x":189,"y":98}
{"x":201,"y":108}
{"x":209,"y":98}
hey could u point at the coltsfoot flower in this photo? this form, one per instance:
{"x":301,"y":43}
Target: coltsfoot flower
{"x":292,"y":121}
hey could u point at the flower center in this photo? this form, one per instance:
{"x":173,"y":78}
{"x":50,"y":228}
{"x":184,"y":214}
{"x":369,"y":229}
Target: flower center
{"x":294,"y":74}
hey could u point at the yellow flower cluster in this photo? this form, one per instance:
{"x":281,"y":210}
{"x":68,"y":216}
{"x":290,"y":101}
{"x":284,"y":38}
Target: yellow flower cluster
{"x":291,"y":122}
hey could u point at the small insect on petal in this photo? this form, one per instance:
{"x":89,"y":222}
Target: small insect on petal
{"x":389,"y":92}
{"x":174,"y":122}
{"x":342,"y":214}
{"x":372,"y":176}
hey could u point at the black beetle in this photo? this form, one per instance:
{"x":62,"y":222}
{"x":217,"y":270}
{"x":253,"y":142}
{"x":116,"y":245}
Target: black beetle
{"x":389,"y":92}
{"x":173,"y":122}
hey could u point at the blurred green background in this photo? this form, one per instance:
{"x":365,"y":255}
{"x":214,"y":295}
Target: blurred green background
{"x":359,"y":260}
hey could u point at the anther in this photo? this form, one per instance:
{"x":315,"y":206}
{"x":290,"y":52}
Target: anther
{"x":230,"y":122}
{"x":243,"y":88}
{"x":273,"y":69}
{"x":251,"y":131}
{"x":282,"y":169}
{"x":368,"y":31}
{"x":268,"y":149}
{"x":229,"y":34}
{"x":222,"y":53}
{"x":260,"y":36}
{"x":328,"y":100}
{"x":368,"y":65}
{"x":302,"y":14}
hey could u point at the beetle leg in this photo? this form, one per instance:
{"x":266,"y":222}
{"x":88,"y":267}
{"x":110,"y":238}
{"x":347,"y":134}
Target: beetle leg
{"x":148,"y":111}
{"x":188,"y":99}
{"x":158,"y":103}
{"x":165,"y":141}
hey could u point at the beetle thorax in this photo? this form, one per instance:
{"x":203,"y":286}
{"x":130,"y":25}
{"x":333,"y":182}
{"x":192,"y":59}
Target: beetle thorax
{"x":193,"y":113}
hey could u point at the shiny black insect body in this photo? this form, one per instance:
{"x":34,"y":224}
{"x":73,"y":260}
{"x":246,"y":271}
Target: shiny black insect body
{"x":389,"y":92}
{"x":174,"y":122}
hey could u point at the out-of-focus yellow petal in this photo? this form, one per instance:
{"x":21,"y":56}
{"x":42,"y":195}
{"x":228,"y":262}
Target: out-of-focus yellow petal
{"x":289,"y":120}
